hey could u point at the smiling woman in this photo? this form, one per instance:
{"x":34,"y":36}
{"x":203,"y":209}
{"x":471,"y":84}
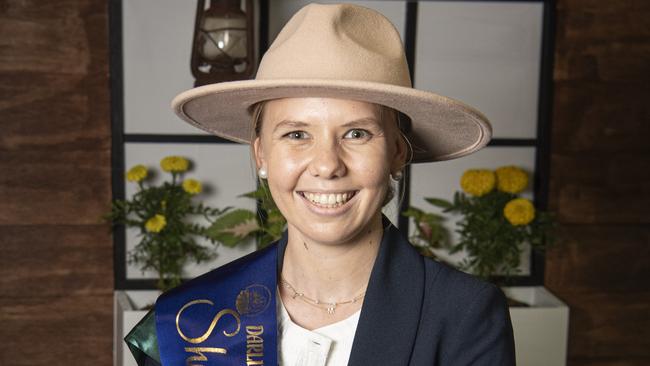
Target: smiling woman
{"x":343,"y":286}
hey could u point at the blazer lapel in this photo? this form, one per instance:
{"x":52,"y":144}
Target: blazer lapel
{"x":390,"y":314}
{"x":391,"y":309}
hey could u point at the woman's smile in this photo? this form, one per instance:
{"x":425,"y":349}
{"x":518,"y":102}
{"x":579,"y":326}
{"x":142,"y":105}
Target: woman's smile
{"x":327,"y":203}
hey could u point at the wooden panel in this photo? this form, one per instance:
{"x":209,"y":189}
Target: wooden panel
{"x":52,"y":37}
{"x":599,"y":60}
{"x":600,"y":169}
{"x":56,"y":117}
{"x":601,"y":188}
{"x":592,"y":257}
{"x":64,"y":330}
{"x":607,"y":117}
{"x":49,"y":260}
{"x":56,"y":277}
{"x":16,"y":95}
{"x":602,"y":63}
{"x":581,"y":21}
{"x":628,"y":170}
{"x":55,"y":112}
{"x":607,"y":325}
{"x":50,"y":187}
{"x":578,"y":203}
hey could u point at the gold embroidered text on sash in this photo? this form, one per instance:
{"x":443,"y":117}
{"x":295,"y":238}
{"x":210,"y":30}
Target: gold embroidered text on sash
{"x":254,"y":339}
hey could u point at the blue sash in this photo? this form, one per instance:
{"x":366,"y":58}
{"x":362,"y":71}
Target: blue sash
{"x":225,"y":317}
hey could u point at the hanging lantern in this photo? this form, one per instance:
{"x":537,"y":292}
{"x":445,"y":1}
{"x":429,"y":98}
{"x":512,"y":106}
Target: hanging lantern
{"x":223,"y":41}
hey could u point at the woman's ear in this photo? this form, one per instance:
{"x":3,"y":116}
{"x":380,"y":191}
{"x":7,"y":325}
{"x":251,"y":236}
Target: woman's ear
{"x":401,"y":151}
{"x":259,"y":154}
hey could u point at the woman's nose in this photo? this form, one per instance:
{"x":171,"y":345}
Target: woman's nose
{"x":327,"y":161}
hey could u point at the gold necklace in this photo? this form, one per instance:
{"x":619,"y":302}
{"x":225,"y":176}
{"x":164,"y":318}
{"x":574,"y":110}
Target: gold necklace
{"x":330,"y":306}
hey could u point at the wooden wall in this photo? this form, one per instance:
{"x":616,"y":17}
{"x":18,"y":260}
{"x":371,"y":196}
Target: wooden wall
{"x":56,"y":257}
{"x":56,"y":267}
{"x":600,"y":179}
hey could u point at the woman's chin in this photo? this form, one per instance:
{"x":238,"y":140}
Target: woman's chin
{"x":334,"y":232}
{"x":328,"y":238}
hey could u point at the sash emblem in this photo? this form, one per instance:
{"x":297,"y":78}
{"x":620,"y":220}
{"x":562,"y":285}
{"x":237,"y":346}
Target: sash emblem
{"x":253,"y":300}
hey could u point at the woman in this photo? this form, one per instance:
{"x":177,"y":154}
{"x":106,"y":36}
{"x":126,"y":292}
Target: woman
{"x":343,"y":286}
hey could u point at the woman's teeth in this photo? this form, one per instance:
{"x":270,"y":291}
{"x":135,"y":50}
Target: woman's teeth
{"x":328,"y":199}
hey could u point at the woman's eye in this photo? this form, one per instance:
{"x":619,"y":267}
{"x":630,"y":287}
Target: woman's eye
{"x":296,"y":135}
{"x":357,"y":134}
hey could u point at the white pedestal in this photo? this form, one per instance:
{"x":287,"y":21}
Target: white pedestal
{"x":541,"y":330}
{"x":126,"y":316}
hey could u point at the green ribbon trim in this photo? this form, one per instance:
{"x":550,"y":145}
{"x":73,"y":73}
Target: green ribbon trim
{"x":142,"y":340}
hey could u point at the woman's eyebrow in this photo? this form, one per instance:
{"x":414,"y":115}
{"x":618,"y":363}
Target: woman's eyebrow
{"x":290,"y":124}
{"x":366,"y":121}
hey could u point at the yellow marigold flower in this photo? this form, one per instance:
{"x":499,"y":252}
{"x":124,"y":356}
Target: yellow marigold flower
{"x":155,"y":224}
{"x":192,"y":186}
{"x":174,"y":164}
{"x":137,"y":173}
{"x":477,"y":182}
{"x":511,"y":179}
{"x":519,"y":211}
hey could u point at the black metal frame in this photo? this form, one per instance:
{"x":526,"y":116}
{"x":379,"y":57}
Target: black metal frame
{"x":119,"y":138}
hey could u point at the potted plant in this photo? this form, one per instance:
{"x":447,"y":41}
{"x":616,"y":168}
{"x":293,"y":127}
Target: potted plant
{"x":168,"y":238}
{"x":495,"y":227}
{"x":161,"y":215}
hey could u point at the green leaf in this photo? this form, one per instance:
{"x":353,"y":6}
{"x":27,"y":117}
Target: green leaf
{"x":258,"y":194}
{"x":234,"y":227}
{"x":413,"y":212}
{"x":439,"y":202}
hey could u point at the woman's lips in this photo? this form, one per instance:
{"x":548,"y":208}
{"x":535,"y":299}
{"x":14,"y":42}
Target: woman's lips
{"x":328,"y":199}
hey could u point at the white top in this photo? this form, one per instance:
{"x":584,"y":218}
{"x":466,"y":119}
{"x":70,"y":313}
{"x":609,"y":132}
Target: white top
{"x":326,"y":346}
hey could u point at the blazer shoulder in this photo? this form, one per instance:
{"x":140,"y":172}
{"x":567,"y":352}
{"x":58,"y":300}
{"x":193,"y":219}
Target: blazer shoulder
{"x":449,"y":286}
{"x":441,"y":274}
{"x":473,"y":316}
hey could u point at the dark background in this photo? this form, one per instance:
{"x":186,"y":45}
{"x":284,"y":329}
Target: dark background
{"x":56,"y":269}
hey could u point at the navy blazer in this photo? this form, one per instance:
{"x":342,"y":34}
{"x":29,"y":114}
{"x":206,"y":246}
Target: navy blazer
{"x":419,"y":312}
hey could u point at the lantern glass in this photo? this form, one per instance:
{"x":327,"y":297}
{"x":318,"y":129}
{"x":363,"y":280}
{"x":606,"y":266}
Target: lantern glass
{"x":222,"y":41}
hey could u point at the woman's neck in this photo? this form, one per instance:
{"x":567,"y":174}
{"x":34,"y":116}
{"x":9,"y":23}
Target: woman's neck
{"x":331,"y":272}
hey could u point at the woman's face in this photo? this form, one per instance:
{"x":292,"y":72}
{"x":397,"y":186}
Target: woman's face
{"x":328,"y":163}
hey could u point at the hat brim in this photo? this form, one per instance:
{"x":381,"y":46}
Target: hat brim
{"x":441,"y":128}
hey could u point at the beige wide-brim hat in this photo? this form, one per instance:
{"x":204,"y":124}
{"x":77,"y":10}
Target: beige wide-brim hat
{"x":339,"y":51}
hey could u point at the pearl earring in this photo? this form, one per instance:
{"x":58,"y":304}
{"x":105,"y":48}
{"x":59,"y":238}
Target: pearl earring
{"x":397,"y":175}
{"x":262,"y":173}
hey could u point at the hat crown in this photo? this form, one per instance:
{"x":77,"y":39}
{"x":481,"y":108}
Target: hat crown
{"x":338,"y":42}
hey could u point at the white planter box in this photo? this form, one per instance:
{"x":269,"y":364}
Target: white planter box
{"x":541,"y":331}
{"x":126,"y":316}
